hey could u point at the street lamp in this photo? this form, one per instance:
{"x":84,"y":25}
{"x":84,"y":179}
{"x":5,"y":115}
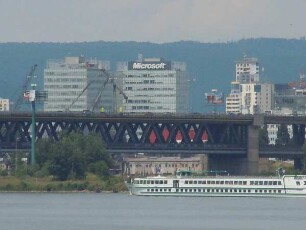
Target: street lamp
{"x":16,"y":158}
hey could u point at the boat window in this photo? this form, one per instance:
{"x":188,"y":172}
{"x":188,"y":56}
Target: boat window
{"x":208,"y":190}
{"x":222,"y":182}
{"x":260,"y":191}
{"x":251,"y":182}
{"x":256,"y":182}
{"x":305,"y":182}
{"x":217,"y":190}
{"x":249,"y":190}
{"x":235,"y":182}
{"x":152,"y":182}
{"x":260,"y":182}
{"x":165,"y":182}
{"x":157,"y":182}
{"x":240,"y":182}
{"x":148,"y":190}
{"x":199,"y":190}
{"x":225,"y":190}
{"x":161,"y":190}
{"x":244,"y":191}
{"x":194,"y":190}
{"x":217,"y":182}
{"x":270,"y":182}
{"x":274,"y":191}
{"x":190,"y":190}
{"x":298,"y":183}
{"x":244,"y":183}
{"x":235,"y":190}
{"x":279,"y":191}
{"x":144,"y":181}
{"x":279,"y":183}
{"x":156,"y":190}
{"x":141,"y":182}
{"x":274,"y":182}
{"x":152,"y":190}
{"x":199,"y":182}
{"x":161,"y":182}
{"x":186,"y":182}
{"x":208,"y":182}
{"x":182,"y":190}
{"x":186,"y":190}
{"x":231,"y":182}
{"x":239,"y":190}
{"x":165,"y":190}
{"x":265,"y":182}
{"x":204,"y":181}
{"x":265,"y":191}
{"x":136,"y":181}
{"x":213,"y":182}
{"x":255,"y":191}
{"x":226,"y":182}
{"x":195,"y":182}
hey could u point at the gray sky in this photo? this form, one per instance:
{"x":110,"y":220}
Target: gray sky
{"x":156,"y":21}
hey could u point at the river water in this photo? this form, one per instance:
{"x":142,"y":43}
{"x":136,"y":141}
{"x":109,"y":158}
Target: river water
{"x":80,"y":211}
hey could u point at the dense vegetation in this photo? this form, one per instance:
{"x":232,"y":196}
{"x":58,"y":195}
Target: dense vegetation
{"x":75,"y":162}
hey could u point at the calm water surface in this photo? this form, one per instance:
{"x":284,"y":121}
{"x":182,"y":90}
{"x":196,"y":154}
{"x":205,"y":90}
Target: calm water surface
{"x":80,"y":211}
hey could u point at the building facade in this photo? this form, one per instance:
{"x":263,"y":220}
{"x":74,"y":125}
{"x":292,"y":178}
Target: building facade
{"x":248,"y":95}
{"x":73,"y":84}
{"x":4,"y":104}
{"x":154,"y":85}
{"x":162,"y":165}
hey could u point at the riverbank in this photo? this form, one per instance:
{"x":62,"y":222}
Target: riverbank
{"x":92,"y":183}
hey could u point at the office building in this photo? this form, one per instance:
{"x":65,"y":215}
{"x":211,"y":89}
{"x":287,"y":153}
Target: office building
{"x":154,"y":85}
{"x":74,"y":83}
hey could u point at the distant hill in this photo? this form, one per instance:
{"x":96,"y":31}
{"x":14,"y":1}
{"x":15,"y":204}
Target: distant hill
{"x":211,"y":64}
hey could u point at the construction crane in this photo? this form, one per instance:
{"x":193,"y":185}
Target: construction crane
{"x":97,"y":100}
{"x":80,"y":94}
{"x":24,"y":87}
{"x":115,"y":89}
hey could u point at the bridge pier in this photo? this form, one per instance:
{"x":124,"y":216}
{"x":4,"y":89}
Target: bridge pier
{"x":253,"y":145}
{"x":234,"y":165}
{"x":298,"y":164}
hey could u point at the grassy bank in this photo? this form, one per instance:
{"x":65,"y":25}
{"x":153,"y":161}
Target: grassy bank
{"x":92,"y":183}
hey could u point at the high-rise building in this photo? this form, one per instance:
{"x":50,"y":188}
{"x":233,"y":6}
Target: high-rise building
{"x":233,"y":104}
{"x":248,"y":95}
{"x":154,"y":85}
{"x":73,"y":84}
{"x":247,"y":70}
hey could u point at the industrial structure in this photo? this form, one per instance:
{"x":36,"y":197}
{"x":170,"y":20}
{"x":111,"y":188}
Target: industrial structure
{"x":154,"y":85}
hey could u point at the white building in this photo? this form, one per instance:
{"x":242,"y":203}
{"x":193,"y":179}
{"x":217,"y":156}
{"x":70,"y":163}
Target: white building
{"x":247,"y":70}
{"x":154,"y":85}
{"x":256,"y":98}
{"x":248,"y":95}
{"x":233,"y":100}
{"x":74,"y":83}
{"x":4,"y":104}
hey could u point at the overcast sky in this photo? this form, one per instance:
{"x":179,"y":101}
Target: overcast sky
{"x":155,"y":21}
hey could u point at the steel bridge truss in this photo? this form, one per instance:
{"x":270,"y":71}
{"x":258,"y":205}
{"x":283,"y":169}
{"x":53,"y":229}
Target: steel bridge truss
{"x":130,"y":133}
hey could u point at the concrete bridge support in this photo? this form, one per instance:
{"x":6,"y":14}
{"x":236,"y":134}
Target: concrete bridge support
{"x":252,"y":150}
{"x":253,"y":145}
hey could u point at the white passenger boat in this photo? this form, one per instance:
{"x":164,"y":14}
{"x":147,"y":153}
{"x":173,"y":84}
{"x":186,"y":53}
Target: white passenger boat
{"x":186,"y":183}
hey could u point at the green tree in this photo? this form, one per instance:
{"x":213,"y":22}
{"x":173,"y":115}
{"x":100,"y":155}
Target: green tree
{"x":72,"y":155}
{"x":283,"y":137}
